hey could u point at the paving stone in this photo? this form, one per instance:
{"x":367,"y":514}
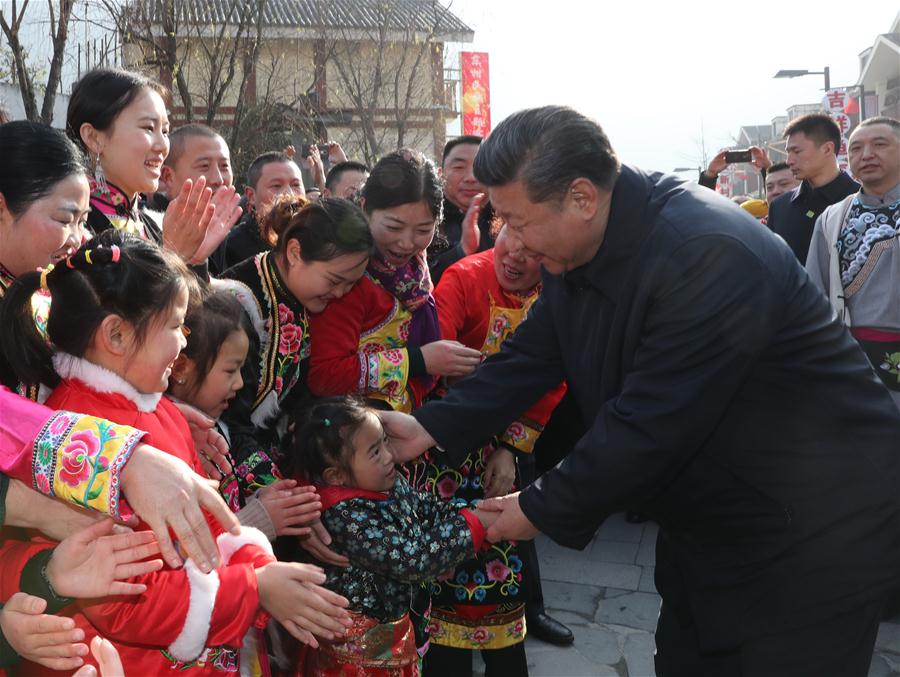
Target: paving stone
{"x":599,"y":645}
{"x":646,"y":584}
{"x":880,"y":667}
{"x":639,"y":648}
{"x":621,"y":552}
{"x":637,"y":610}
{"x":888,"y":638}
{"x":558,"y":564}
{"x":615,"y":592}
{"x":574,"y":597}
{"x":616,"y":528}
{"x":568,"y":662}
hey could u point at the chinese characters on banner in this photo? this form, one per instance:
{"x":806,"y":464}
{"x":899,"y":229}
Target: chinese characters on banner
{"x":476,"y":93}
{"x":836,"y":102}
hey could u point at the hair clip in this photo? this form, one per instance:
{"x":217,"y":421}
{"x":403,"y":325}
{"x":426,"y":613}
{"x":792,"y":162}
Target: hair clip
{"x":69,"y":263}
{"x":46,"y":271}
{"x":116,"y":253}
{"x":327,"y":422}
{"x":87,"y":257}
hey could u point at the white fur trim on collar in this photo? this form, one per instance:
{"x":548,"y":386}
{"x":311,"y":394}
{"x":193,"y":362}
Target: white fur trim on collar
{"x":192,"y":639}
{"x":248,"y":302}
{"x":230,"y":544}
{"x":103,"y":380}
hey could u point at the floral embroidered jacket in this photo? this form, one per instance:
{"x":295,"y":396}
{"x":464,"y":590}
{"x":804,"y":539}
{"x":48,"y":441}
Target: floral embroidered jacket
{"x":40,"y":447}
{"x":393,"y":540}
{"x":476,"y":311}
{"x":186,"y":620}
{"x":37,"y":446}
{"x":274,"y":374}
{"x":359,"y":346}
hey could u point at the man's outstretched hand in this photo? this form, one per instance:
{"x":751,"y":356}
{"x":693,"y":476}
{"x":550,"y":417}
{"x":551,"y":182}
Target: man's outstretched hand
{"x":408,"y":439}
{"x":511,"y":524}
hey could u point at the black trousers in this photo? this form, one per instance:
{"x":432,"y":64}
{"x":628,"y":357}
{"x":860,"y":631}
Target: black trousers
{"x":533,"y":594}
{"x":838,"y":647}
{"x":445,"y":661}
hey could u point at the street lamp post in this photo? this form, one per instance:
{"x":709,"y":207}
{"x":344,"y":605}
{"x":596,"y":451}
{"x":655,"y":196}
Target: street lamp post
{"x":798,"y":73}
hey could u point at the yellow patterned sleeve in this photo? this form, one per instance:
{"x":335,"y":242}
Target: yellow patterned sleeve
{"x":79,"y":459}
{"x":522,"y":435}
{"x":383,"y":374}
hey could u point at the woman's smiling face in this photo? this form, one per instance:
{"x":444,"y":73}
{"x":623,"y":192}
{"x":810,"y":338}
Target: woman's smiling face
{"x":402,"y":232}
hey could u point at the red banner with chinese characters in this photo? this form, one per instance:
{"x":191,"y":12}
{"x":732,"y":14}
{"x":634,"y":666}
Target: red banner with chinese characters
{"x":476,"y":93}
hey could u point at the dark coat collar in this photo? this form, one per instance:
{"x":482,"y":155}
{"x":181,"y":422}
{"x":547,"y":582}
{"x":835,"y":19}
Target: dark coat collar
{"x":630,"y":220}
{"x":833,"y":191}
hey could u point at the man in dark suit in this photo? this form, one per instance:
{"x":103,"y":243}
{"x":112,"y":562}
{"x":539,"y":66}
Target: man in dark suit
{"x":722,"y":397}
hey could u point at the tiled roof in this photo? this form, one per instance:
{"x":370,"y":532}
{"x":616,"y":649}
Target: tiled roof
{"x":361,"y":15}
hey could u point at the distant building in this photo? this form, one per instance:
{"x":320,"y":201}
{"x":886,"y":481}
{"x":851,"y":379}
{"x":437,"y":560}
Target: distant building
{"x":879,"y":73}
{"x":306,"y":48}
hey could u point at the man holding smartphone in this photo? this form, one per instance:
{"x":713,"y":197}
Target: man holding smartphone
{"x":754,"y":155}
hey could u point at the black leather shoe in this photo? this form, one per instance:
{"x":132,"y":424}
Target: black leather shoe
{"x":548,"y":629}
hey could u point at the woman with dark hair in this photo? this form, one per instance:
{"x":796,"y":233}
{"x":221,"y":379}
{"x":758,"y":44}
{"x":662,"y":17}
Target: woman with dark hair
{"x":322,"y":250}
{"x":43,"y":208}
{"x":119,"y":119}
{"x":382,"y":340}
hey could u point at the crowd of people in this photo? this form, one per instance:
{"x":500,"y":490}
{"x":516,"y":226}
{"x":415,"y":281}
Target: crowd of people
{"x":374,"y":369}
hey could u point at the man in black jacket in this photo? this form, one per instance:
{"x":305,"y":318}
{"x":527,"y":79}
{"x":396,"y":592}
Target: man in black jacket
{"x":813,"y":142}
{"x":722,"y":396}
{"x":452,"y":240}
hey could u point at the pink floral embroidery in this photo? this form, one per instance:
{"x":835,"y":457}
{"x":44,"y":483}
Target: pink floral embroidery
{"x":291,"y":336}
{"x":497,"y":571}
{"x":499,"y":325}
{"x":279,"y":384}
{"x":43,"y":484}
{"x":76,"y":466}
{"x":59,"y":425}
{"x":393,"y":356}
{"x":516,"y":431}
{"x":481,"y":636}
{"x":285,"y":314}
{"x":447,"y":487}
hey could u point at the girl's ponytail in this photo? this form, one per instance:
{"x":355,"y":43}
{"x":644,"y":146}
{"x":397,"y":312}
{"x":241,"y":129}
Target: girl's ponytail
{"x":27,"y":353}
{"x":111,"y":274}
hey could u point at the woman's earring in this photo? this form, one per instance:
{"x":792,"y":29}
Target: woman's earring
{"x":99,"y":176}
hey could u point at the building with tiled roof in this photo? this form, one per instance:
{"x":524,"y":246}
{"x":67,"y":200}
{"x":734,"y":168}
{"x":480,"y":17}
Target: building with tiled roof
{"x":366,"y":73}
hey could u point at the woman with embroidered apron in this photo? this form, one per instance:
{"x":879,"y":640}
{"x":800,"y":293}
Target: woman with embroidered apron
{"x":480,"y":605}
{"x":322,"y":251}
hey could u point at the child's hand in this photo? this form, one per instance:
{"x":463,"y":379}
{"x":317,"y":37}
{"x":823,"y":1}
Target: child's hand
{"x":107,"y":658}
{"x":290,"y":506}
{"x":499,"y":473}
{"x":317,"y":545}
{"x":91,"y":563}
{"x":292,"y":593}
{"x":52,"y":641}
{"x":486,"y":517}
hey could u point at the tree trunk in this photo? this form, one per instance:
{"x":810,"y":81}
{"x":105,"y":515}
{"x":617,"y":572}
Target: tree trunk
{"x":60,"y":34}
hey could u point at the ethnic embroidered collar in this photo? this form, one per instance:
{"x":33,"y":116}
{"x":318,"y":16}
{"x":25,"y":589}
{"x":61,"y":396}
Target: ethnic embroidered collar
{"x":103,"y":380}
{"x":6,"y":279}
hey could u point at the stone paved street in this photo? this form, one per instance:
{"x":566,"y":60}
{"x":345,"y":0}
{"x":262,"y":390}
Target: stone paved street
{"x":606,"y":595}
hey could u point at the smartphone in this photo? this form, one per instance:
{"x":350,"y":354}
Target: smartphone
{"x":733,"y":156}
